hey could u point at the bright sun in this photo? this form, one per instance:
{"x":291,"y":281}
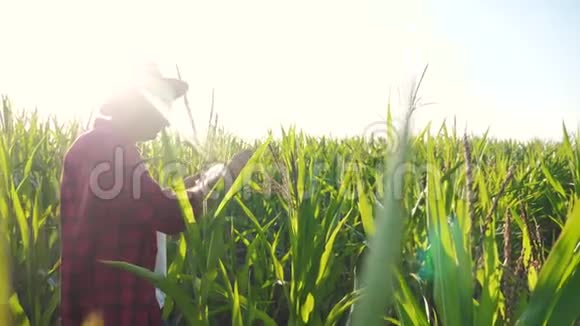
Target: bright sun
{"x":77,"y":59}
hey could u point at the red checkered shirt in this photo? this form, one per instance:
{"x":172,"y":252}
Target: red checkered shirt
{"x":111,"y":209}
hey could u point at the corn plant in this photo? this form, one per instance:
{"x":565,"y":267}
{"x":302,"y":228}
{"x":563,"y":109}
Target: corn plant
{"x":321,"y":231}
{"x":30,"y":158}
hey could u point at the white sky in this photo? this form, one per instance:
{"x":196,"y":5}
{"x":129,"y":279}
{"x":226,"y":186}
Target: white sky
{"x":325,"y":66}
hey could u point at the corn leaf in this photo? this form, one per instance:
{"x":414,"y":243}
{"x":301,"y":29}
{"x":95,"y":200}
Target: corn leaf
{"x":558,"y":268}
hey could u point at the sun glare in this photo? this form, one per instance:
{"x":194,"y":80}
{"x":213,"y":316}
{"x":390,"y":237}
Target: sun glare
{"x":75,"y":61}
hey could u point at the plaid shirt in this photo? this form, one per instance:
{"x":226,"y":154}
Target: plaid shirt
{"x":110,"y":209}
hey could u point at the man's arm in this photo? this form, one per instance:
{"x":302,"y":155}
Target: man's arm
{"x":149,"y":202}
{"x":161,"y":206}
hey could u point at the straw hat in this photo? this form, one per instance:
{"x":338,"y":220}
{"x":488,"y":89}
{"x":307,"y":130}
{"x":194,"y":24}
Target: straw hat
{"x":159,"y":91}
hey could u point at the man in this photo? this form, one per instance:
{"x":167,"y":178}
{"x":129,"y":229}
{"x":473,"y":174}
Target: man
{"x":111,"y":208}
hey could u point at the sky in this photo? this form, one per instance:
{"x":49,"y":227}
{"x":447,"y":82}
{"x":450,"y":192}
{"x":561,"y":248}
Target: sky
{"x":326,"y":67}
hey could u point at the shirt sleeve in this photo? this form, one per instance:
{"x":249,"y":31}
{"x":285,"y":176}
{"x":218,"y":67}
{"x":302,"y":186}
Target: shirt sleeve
{"x":154,"y":205}
{"x":160,"y":206}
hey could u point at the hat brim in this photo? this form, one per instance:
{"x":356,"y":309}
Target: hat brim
{"x":164,"y":108}
{"x":179,"y":86}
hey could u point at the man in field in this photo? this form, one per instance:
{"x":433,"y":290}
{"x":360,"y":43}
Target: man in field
{"x":111,"y":209}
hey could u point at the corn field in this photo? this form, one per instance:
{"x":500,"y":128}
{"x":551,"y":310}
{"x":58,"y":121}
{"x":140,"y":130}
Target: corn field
{"x":444,"y":229}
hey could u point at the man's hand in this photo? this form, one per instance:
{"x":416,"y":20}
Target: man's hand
{"x":238,"y":162}
{"x":191,"y":181}
{"x":199,"y":185}
{"x":234,"y":167}
{"x":204,"y":181}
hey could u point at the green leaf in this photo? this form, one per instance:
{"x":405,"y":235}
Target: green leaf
{"x":22,"y":220}
{"x":328,"y":250}
{"x":365,"y":208}
{"x":37,"y":221}
{"x":489,"y":276}
{"x":463,"y":267}
{"x":341,"y":307}
{"x":52,"y":306}
{"x":28,"y":165}
{"x":561,"y":263}
{"x":18,"y":315}
{"x":555,"y":184}
{"x":182,"y":299}
{"x":407,"y":306}
{"x":565,"y":311}
{"x":385,"y":244}
{"x":447,"y":298}
{"x":242,"y":177}
{"x":236,"y":310}
{"x":307,"y":308}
